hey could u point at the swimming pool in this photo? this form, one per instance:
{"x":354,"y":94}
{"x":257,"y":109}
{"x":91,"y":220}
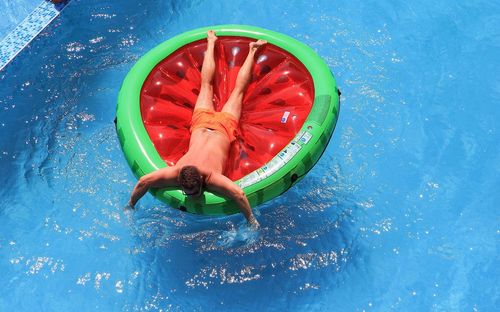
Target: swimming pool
{"x":399,"y":214}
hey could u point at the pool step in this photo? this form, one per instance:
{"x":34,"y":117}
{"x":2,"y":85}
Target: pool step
{"x":27,"y":30}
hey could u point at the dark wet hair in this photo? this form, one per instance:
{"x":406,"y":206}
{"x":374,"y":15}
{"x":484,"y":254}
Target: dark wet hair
{"x":190,"y":179}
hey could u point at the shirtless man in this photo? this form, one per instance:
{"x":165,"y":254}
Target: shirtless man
{"x":211,"y":136}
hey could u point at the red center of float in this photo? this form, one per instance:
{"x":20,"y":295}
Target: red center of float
{"x":276,"y":103}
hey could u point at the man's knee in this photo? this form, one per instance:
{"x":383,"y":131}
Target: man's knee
{"x":207,"y":84}
{"x":239,"y":89}
{"x":206,"y":91}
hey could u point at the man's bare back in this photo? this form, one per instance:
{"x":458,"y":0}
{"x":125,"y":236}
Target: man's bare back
{"x":210,"y":140}
{"x":204,"y":140}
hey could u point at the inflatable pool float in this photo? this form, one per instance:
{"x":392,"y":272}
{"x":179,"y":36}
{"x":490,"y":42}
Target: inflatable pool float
{"x":289,"y":112}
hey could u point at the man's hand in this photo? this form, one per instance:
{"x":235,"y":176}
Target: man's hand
{"x":129,"y":206}
{"x":253,"y":223}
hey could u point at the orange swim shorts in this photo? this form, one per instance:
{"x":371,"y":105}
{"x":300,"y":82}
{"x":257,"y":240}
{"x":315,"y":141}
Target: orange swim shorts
{"x":220,"y":121}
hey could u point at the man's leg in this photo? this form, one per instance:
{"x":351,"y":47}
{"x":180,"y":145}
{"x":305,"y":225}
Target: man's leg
{"x":233,"y":104}
{"x":205,"y":98}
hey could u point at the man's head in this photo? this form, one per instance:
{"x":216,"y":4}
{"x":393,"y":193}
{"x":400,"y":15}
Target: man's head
{"x":191,"y":181}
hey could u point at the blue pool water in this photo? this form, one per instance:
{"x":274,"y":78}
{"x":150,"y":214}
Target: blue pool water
{"x":400,"y":213}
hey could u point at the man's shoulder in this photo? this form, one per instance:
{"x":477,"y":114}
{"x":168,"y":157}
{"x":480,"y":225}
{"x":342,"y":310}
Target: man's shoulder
{"x":215,"y":178}
{"x":170,"y":171}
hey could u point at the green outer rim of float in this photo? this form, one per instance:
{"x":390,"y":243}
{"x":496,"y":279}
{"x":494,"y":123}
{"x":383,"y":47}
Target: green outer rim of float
{"x":143,"y":158}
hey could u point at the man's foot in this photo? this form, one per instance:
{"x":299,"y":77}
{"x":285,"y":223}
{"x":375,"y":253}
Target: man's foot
{"x":211,"y":37}
{"x":254,"y":46}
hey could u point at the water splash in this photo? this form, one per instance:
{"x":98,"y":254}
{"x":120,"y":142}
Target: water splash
{"x":242,"y":235}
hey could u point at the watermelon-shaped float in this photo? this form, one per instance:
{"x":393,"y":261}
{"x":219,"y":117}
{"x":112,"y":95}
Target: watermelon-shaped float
{"x":289,"y":112}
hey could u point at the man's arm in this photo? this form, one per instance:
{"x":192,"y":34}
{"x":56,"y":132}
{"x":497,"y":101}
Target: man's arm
{"x":160,"y":178}
{"x":222,"y":185}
